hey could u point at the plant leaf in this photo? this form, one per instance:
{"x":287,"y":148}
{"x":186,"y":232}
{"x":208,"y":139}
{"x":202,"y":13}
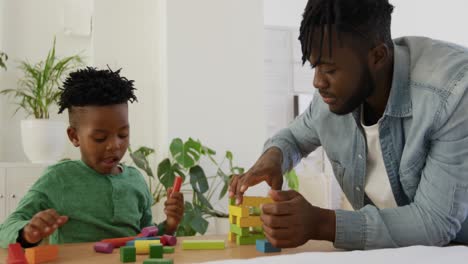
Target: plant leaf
{"x":166,"y":173}
{"x":198,"y":179}
{"x":186,"y":154}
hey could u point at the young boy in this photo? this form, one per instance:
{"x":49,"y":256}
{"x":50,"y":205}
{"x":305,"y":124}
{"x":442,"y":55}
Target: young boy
{"x":95,"y":197}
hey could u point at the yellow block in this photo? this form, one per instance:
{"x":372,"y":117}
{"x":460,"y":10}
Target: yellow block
{"x":255,"y":201}
{"x":232,"y":237}
{"x":233,"y":219}
{"x":239,"y":211}
{"x":251,"y":221}
{"x":142,"y":246}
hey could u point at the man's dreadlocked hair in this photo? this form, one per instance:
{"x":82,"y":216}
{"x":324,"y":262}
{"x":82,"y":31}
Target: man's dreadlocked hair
{"x":368,"y":19}
{"x":92,"y":87}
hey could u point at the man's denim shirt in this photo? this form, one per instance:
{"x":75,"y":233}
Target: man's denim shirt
{"x":424,"y":140}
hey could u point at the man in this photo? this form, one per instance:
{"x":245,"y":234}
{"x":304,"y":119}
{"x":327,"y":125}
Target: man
{"x":392,"y":117}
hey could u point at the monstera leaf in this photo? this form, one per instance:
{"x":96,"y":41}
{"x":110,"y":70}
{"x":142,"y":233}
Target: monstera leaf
{"x":186,"y":154}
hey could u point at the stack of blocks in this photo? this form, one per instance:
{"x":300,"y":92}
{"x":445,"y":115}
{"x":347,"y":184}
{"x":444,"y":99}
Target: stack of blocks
{"x":244,"y":219}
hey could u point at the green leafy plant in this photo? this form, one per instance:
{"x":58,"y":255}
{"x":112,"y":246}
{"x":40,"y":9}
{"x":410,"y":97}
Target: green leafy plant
{"x":38,"y":90}
{"x":185,"y":160}
{"x":3,"y":59}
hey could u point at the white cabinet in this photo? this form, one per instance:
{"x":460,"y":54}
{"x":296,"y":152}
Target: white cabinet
{"x":15,"y":181}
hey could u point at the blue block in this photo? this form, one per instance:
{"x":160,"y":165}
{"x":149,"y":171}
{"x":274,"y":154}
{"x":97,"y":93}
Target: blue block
{"x":264,"y":246}
{"x":148,"y":238}
{"x":130,"y":243}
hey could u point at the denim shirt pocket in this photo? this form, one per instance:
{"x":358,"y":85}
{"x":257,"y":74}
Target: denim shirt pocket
{"x":339,"y":171}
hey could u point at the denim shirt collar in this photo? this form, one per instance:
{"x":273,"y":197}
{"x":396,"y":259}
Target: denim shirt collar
{"x":399,"y":101}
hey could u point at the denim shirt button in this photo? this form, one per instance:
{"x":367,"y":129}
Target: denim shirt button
{"x":360,"y":156}
{"x":358,"y":189}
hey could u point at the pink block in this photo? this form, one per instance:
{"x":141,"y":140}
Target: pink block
{"x":103,"y":247}
{"x":168,"y":240}
{"x":149,"y":231}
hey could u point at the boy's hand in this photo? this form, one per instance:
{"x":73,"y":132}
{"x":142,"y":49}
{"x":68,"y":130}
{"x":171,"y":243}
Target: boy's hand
{"x":42,"y":225}
{"x":174,"y":210}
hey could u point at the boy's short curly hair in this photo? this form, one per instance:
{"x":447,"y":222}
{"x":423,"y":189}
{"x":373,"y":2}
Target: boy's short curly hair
{"x":93,"y":87}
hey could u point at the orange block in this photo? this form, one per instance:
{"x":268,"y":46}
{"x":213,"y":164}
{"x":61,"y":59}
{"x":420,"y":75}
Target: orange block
{"x":41,"y":254}
{"x":118,"y":242}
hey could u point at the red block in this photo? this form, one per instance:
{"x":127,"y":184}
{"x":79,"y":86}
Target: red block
{"x":168,"y":240}
{"x":16,"y":254}
{"x":118,"y":242}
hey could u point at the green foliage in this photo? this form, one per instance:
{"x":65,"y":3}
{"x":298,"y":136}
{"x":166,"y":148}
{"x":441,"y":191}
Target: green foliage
{"x":38,"y":90}
{"x":3,"y":59}
{"x":185,"y":160}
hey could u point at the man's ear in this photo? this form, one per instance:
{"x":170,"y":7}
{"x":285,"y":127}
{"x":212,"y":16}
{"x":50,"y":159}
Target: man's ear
{"x":73,"y":136}
{"x":378,"y":57}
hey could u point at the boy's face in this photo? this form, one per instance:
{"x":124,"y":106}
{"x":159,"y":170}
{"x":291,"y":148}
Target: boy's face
{"x":102,"y":133}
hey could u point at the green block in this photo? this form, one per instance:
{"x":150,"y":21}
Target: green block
{"x":155,"y":251}
{"x":232,"y":201}
{"x":255,"y":211}
{"x":168,"y":250}
{"x":203,"y":244}
{"x":127,"y":254}
{"x":241,"y":231}
{"x":160,"y":261}
{"x":249,"y":240}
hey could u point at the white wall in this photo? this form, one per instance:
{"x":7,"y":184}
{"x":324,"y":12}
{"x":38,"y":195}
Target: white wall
{"x":283,"y":13}
{"x":28,"y":30}
{"x":215,"y":74}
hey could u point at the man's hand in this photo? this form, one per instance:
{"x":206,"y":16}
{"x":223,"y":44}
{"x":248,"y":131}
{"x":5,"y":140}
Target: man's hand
{"x":42,"y":225}
{"x":267,"y":168}
{"x":292,"y":221}
{"x":174,"y":210}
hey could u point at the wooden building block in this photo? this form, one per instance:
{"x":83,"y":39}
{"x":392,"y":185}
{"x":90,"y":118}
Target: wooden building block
{"x":158,"y":261}
{"x":103,"y":247}
{"x":119,"y":241}
{"x":203,"y":244}
{"x":249,"y":240}
{"x":239,"y":211}
{"x":232,"y":201}
{"x":168,"y":250}
{"x":265,"y":246}
{"x":250,"y":221}
{"x":150,"y":231}
{"x":142,"y":246}
{"x":127,"y":254}
{"x":255,"y":201}
{"x":16,"y":254}
{"x":241,"y":231}
{"x":232,"y":237}
{"x":233,"y":219}
{"x":155,"y":251}
{"x":168,"y":240}
{"x":41,"y":254}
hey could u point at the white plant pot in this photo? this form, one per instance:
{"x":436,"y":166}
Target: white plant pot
{"x":43,"y":140}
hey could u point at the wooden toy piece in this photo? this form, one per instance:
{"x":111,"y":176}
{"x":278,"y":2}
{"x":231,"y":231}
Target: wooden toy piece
{"x":255,"y":201}
{"x":232,"y":201}
{"x":41,"y":254}
{"x":148,"y":238}
{"x":232,"y":237}
{"x":127,"y":254}
{"x":177,"y":184}
{"x":249,"y":240}
{"x":239,"y":211}
{"x":241,"y":231}
{"x":203,"y":244}
{"x":149,"y":231}
{"x":265,"y":246}
{"x":168,"y":240}
{"x":158,"y":261}
{"x":119,"y":241}
{"x":130,"y":243}
{"x":103,"y":247}
{"x":251,"y":221}
{"x":167,"y":250}
{"x":155,"y":251}
{"x":16,"y":254}
{"x":142,"y":246}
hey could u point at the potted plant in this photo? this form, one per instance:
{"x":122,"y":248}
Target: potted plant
{"x":43,"y":139}
{"x":185,"y":160}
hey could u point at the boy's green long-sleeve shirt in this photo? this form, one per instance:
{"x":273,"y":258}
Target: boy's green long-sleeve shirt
{"x":98,"y":206}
